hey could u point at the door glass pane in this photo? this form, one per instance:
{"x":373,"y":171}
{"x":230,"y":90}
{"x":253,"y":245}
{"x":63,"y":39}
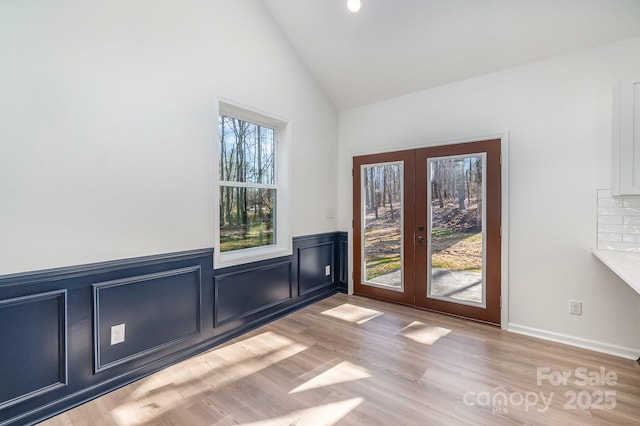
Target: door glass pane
{"x":456,"y":193}
{"x":382,"y":211}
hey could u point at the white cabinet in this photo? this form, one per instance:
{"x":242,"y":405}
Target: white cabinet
{"x":626,"y":137}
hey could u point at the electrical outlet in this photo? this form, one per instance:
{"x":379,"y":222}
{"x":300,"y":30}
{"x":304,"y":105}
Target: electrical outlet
{"x":575,"y":307}
{"x":327,"y":270}
{"x":117,"y":334}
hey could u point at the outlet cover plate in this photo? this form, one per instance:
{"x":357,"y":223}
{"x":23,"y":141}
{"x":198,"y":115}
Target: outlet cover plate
{"x":117,"y":334}
{"x":575,"y":307}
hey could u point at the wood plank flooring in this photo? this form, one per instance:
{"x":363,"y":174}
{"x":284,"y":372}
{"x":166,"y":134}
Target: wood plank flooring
{"x":349,"y":360}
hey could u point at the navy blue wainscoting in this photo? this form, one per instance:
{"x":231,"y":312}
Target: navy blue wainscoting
{"x":157,"y":310}
{"x":244,"y":293}
{"x":34,"y":345}
{"x":56,"y":325}
{"x":343,"y":262}
{"x":316,"y":265}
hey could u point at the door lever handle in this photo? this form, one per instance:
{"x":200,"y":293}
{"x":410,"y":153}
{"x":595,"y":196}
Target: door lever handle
{"x":420,"y":239}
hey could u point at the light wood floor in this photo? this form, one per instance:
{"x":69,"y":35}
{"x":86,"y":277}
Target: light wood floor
{"x":353,"y":361}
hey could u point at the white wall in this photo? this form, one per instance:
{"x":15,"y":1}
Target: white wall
{"x":107,"y":124}
{"x":558,"y":115}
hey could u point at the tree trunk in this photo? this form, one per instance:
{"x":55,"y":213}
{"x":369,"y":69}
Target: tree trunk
{"x":384,"y":185}
{"x":479,"y":199}
{"x":460,"y":185}
{"x":259,"y":201}
{"x":390,"y":192}
{"x":437,"y":179}
{"x":372,"y":195}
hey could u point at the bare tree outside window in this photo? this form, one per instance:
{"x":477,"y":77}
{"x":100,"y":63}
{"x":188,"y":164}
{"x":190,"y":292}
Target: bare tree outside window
{"x":247,"y":184}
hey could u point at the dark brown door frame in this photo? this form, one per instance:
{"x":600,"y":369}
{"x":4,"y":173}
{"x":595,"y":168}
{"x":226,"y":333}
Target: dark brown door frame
{"x":493,"y":202}
{"x":415,"y":271}
{"x":406,"y":296}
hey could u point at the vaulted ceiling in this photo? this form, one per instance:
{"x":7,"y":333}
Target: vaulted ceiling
{"x":395,"y":47}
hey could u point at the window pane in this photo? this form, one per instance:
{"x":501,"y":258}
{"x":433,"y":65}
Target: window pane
{"x":456,"y":214}
{"x":246,"y":151}
{"x":382,"y":200}
{"x":247,"y":217}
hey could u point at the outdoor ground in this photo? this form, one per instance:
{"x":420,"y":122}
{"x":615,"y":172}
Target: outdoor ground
{"x":456,"y":240}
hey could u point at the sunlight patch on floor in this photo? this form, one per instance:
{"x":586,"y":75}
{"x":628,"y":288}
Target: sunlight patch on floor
{"x":352,"y":313}
{"x":425,"y":334}
{"x":321,"y":415}
{"x":215,"y":369}
{"x":341,"y":373}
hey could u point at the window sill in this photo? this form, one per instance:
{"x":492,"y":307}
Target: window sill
{"x":240,"y":257}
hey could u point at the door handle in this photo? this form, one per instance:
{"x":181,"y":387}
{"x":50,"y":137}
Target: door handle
{"x":420,"y":239}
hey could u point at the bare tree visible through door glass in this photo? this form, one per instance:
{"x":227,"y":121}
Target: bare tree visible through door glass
{"x":456,"y":215}
{"x":382,"y":200}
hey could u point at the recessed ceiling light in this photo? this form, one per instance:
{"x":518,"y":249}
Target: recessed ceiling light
{"x":354,"y":5}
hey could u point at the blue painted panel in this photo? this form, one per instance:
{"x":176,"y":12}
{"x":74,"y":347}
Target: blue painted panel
{"x":157,"y":310}
{"x":121,"y":267}
{"x":343,"y":261}
{"x":166,"y":308}
{"x":312,"y":261}
{"x":33,"y":358}
{"x":249,"y":291}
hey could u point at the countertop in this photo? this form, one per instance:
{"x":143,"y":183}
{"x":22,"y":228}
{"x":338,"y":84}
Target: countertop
{"x":625,"y":265}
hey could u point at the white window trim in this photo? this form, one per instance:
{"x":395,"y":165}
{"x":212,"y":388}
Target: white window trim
{"x":283,"y":167}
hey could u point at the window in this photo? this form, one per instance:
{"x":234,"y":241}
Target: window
{"x":252,"y":194}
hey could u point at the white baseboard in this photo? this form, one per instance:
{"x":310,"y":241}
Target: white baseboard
{"x":607,"y":348}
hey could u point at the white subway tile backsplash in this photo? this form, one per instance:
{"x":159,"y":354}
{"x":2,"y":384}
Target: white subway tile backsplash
{"x":630,"y":238}
{"x":629,"y":247}
{"x":618,"y":222}
{"x":618,"y":211}
{"x":632,"y":211}
{"x":610,"y":202}
{"x":612,"y":220}
{"x":609,"y":237}
{"x":623,"y":229}
{"x":630,"y":220}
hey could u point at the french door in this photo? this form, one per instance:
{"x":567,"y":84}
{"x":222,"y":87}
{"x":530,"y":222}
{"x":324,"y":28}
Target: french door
{"x":427,"y":228}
